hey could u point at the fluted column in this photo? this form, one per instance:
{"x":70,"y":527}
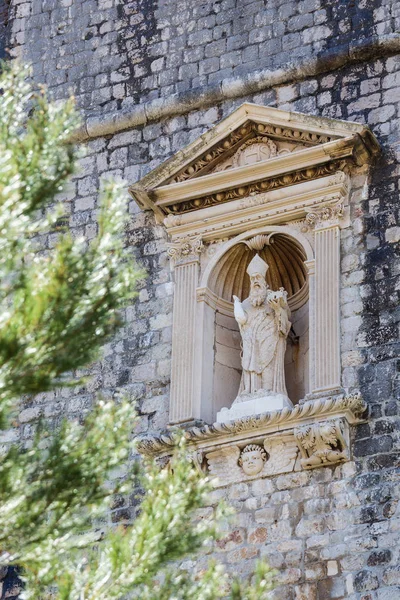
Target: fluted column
{"x":310,"y":266}
{"x":324,"y":297}
{"x":185,"y":255}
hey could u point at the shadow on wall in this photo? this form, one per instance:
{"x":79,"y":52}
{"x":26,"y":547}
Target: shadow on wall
{"x":4,"y":27}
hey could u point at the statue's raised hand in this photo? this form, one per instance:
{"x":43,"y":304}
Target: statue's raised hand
{"x":235,"y":299}
{"x":275,"y":303}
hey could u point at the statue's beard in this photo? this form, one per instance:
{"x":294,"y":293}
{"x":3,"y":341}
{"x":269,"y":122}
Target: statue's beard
{"x":258,"y":294}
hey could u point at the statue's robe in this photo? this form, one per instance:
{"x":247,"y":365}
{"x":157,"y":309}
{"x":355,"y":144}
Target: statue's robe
{"x":263,"y":348}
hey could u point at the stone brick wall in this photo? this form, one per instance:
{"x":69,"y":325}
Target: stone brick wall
{"x":316,"y":530}
{"x":333,"y":532}
{"x":114,"y":53}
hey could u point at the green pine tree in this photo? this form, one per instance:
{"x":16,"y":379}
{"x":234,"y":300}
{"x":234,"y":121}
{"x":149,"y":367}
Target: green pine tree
{"x":57,"y":308}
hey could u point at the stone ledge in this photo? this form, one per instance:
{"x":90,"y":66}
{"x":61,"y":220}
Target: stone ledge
{"x":98,"y":125}
{"x":310,"y":435}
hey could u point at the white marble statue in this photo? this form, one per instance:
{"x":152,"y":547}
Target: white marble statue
{"x":264,"y":325}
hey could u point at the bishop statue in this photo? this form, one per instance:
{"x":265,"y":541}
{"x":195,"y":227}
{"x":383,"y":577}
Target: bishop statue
{"x":264,"y":325}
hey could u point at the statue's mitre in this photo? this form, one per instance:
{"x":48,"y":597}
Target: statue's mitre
{"x":257,"y":266}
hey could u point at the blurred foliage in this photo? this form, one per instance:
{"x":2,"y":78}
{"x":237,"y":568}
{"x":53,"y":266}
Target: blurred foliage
{"x":58,"y":306}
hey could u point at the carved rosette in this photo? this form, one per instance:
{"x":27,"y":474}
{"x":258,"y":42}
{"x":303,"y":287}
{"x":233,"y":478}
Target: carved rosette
{"x":185,"y":250}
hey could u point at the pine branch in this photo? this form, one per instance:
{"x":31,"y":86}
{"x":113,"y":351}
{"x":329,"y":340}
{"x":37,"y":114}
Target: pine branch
{"x":57,"y":308}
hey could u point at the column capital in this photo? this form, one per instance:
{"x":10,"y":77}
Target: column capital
{"x":185,"y":250}
{"x":326,"y":216}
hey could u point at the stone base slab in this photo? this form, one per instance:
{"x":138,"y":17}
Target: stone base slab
{"x":256,"y":404}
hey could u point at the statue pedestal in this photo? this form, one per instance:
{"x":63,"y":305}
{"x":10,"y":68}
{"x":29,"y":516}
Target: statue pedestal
{"x":247,"y":405}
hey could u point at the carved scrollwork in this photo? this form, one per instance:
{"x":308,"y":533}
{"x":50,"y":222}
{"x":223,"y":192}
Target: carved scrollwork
{"x":327,"y":215}
{"x":186,"y":249}
{"x":322,"y":443}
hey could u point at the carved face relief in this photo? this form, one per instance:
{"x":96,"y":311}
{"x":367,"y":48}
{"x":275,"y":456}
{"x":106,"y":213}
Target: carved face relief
{"x":252,"y":459}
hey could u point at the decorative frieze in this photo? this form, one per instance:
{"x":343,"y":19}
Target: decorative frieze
{"x":271,"y":456}
{"x":266,"y":185}
{"x":310,"y":435}
{"x":276,"y":206}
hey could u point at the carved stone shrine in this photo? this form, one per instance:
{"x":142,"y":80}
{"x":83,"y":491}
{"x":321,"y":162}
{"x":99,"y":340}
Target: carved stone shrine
{"x":254,"y":209}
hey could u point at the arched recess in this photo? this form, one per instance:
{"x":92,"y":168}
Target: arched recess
{"x":288,"y":254}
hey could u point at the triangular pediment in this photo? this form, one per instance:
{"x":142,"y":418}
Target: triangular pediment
{"x":254,"y":145}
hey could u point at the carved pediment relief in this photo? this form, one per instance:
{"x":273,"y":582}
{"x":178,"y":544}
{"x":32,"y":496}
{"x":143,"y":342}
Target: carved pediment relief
{"x":256,"y":149}
{"x":249,"y":144}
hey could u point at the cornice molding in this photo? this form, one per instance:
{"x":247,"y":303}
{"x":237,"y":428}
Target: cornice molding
{"x":99,"y":125}
{"x":281,"y":205}
{"x":350,"y":408}
{"x":220,"y":166}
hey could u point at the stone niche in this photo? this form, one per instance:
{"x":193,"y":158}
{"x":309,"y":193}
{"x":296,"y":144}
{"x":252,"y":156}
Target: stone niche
{"x":274,"y":184}
{"x":227,"y":276}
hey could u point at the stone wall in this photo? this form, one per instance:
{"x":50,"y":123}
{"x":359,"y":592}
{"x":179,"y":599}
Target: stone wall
{"x":114,"y":53}
{"x":4,"y":27}
{"x":332,"y":532}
